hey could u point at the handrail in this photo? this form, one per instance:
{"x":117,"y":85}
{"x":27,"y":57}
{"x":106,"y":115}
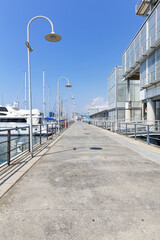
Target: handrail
{"x":131,"y":129}
{"x":45,"y":132}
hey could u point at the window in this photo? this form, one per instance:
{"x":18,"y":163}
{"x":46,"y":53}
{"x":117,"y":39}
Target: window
{"x":17,"y":120}
{"x":3,"y":109}
{"x":3,"y":114}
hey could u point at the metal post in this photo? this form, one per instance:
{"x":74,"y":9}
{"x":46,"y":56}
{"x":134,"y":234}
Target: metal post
{"x":126,"y":129}
{"x":52,"y":131}
{"x":135,"y":130}
{"x":55,"y":129}
{"x":30,"y":103}
{"x":47,"y":131}
{"x":29,"y":140}
{"x":29,"y":75}
{"x":40,"y":134}
{"x":148,"y":134}
{"x":58,"y":107}
{"x":9,"y":148}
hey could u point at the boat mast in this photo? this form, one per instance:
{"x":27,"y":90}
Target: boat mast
{"x":48,"y":100}
{"x":43,"y":93}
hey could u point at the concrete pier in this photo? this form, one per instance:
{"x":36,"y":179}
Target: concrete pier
{"x":90,"y":185}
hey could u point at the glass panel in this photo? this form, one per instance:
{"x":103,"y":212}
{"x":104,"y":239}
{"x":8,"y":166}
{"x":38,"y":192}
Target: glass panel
{"x":132,"y":54}
{"x":123,"y":64}
{"x":127,"y":60}
{"x":143,"y":40}
{"x":158,"y":64}
{"x":158,"y":22}
{"x":152,"y":29}
{"x":111,"y":88}
{"x":137,"y":52}
{"x":136,"y":115}
{"x":121,"y":96}
{"x":134,"y":90}
{"x":143,"y":80}
{"x":151,"y":67}
{"x":121,"y":114}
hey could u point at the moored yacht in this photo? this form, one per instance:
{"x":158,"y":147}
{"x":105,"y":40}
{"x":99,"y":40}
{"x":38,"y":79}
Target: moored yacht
{"x":14,"y":117}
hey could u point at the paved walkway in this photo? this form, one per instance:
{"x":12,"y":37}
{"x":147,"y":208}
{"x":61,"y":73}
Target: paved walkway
{"x":88,"y":186}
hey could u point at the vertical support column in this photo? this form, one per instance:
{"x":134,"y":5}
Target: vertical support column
{"x":135,"y":130}
{"x":9,"y":148}
{"x":40,"y":134}
{"x":151,"y":111}
{"x":143,"y":111}
{"x":148,"y":134}
{"x":158,"y":110}
{"x":29,"y":145}
{"x":127,"y":104}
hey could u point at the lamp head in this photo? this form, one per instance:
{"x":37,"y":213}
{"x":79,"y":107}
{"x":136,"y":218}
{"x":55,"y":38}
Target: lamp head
{"x":53,"y":37}
{"x":72,"y":97}
{"x":68,"y":85}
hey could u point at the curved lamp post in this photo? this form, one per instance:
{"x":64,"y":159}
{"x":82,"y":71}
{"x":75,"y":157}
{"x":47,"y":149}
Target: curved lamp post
{"x":68,"y":85}
{"x":72,"y":98}
{"x":74,"y":109}
{"x":52,"y":37}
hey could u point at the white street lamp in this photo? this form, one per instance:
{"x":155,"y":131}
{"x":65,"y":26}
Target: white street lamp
{"x":52,"y":37}
{"x":68,"y":85}
{"x":72,"y":98}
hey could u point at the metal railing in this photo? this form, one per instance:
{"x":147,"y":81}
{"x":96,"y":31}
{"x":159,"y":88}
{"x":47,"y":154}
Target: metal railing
{"x":13,"y":145}
{"x":144,"y":130}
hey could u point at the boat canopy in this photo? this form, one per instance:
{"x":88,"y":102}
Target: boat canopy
{"x":50,"y":119}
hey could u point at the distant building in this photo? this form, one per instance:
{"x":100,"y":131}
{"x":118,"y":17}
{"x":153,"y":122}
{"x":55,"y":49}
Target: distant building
{"x":93,"y":110}
{"x":96,"y":109}
{"x":100,"y":115}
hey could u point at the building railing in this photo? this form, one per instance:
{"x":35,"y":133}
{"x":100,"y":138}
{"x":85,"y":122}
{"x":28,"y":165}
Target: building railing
{"x":12,"y":146}
{"x":144,"y":130}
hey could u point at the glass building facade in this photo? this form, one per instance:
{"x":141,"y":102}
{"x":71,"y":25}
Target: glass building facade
{"x":147,"y":37}
{"x":116,"y":95}
{"x":141,"y":60}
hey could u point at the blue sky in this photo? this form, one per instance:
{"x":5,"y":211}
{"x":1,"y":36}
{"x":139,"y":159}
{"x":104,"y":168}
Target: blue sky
{"x":94,"y":33}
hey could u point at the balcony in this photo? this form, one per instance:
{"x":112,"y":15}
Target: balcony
{"x":142,"y":6}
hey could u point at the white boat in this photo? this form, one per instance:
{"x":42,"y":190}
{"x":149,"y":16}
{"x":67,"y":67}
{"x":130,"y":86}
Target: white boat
{"x":14,"y":117}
